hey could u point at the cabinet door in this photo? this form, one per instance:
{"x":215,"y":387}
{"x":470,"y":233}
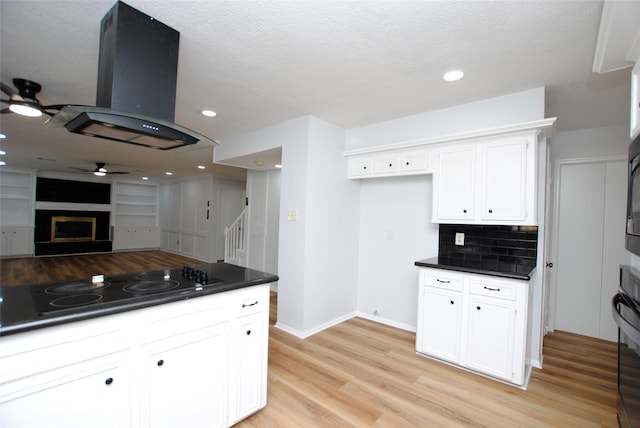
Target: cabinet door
{"x":440,"y":323}
{"x":454,"y":184}
{"x":504,"y":180}
{"x":249,"y":378}
{"x":187,"y":380}
{"x":84,"y":395}
{"x":491,"y":336}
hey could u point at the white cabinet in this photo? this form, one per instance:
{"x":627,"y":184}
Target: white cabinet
{"x":187,"y":372}
{"x":478,"y":322}
{"x":491,"y":181}
{"x":132,"y":238}
{"x":248,"y":367}
{"x":440,"y":317}
{"x":64,"y":377}
{"x":192,"y":363}
{"x":454,"y":192}
{"x":16,"y":241}
{"x":389,"y":163}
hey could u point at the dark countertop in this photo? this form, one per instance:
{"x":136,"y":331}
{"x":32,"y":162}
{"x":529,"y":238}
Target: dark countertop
{"x":18,"y":311}
{"x":481,"y":267}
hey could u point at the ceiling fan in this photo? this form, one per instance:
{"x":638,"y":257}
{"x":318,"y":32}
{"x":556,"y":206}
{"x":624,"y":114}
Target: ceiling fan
{"x":99,"y":170}
{"x":24,"y":101}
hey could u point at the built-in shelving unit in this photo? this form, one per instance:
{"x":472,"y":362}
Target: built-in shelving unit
{"x":135,"y":216}
{"x":16,"y":212}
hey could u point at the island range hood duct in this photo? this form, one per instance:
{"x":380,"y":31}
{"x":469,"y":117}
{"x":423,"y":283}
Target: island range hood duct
{"x":137,"y":76}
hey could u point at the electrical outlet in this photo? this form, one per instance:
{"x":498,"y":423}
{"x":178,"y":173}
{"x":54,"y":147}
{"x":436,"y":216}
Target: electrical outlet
{"x":459,"y":238}
{"x":292,"y":215}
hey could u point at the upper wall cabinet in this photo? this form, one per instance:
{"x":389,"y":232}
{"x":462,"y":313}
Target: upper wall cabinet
{"x":489,"y":182}
{"x":482,"y":177}
{"x":390,"y":163}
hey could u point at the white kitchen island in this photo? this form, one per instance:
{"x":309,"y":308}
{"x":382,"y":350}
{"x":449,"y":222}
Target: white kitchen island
{"x":193,"y":362}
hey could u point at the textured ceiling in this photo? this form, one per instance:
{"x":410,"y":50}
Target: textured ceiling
{"x":352,"y":63}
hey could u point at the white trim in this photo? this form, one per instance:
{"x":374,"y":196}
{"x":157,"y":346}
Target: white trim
{"x":545,"y":126}
{"x":307,"y":333}
{"x":386,"y":321}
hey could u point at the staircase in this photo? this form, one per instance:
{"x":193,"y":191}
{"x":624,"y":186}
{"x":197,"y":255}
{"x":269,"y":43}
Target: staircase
{"x":235,"y":240}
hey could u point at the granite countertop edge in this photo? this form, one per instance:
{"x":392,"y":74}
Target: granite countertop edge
{"x":29,"y":320}
{"x":434,"y":263}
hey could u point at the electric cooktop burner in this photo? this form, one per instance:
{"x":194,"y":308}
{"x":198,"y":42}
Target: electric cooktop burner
{"x":116,"y":290}
{"x":150,"y":286}
{"x":76,"y":287}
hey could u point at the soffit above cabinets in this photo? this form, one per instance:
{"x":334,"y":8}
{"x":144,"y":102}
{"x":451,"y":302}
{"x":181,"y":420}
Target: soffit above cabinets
{"x":618,"y":44}
{"x":546,"y":127}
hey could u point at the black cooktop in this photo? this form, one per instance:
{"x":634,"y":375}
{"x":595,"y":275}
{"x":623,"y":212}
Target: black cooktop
{"x":104,"y":291}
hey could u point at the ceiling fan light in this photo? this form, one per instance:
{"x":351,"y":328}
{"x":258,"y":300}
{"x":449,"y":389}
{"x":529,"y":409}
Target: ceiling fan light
{"x":25,"y":110}
{"x":100,"y":173}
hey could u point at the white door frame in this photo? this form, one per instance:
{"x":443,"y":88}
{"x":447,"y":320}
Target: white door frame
{"x":552,"y":232}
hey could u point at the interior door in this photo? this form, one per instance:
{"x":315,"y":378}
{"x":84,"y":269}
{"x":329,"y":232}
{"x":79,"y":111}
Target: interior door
{"x":589,"y":219}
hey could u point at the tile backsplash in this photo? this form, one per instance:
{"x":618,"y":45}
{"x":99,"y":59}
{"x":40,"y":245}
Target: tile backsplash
{"x":499,"y":245}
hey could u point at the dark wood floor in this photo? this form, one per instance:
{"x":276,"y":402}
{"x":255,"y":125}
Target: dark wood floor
{"x":364,"y":374}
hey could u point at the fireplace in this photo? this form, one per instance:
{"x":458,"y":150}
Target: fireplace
{"x":73,"y":229}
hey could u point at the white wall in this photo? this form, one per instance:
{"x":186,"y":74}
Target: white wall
{"x":317,"y":256}
{"x":395,"y":231}
{"x":508,"y":109}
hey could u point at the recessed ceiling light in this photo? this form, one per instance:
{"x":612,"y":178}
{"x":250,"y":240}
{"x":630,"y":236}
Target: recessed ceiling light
{"x":2,"y":163}
{"x":259,"y":163}
{"x":453,"y":75}
{"x":145,"y":178}
{"x":209,"y":113}
{"x":201,"y":167}
{"x":2,"y":153}
{"x":168,"y":173}
{"x":278,"y":166}
{"x":3,"y":136}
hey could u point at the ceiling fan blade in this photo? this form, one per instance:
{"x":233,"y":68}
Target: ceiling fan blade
{"x":81,"y":169}
{"x":8,"y":90}
{"x":117,"y":172}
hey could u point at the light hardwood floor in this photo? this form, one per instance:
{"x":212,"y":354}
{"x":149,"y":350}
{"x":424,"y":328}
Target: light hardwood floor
{"x":364,"y":374}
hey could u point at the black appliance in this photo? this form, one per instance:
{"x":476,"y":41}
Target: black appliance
{"x":633,"y":199}
{"x":101,"y":291}
{"x":137,"y":79}
{"x":626,"y":313}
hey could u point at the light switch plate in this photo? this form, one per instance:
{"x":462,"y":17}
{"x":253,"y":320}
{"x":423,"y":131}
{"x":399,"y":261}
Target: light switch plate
{"x":459,"y":238}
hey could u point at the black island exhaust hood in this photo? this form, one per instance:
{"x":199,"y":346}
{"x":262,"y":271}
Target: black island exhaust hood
{"x":137,"y":77}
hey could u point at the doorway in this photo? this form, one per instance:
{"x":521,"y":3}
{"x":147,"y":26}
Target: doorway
{"x":587,"y":244}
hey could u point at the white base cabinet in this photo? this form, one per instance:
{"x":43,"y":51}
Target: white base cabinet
{"x":193,"y":363}
{"x":16,"y":241}
{"x":478,"y":322}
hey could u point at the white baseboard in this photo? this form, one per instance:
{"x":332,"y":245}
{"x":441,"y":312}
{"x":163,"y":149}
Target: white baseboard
{"x":307,"y":333}
{"x":385,"y":321}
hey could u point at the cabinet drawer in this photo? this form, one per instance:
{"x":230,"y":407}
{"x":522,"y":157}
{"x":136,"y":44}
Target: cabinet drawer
{"x":415,"y":162}
{"x":492,"y":288}
{"x":385,"y":165}
{"x":445,"y":279}
{"x":251,"y":301}
{"x":360,"y":167}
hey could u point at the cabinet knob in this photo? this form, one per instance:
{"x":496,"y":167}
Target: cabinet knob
{"x":490,"y":211}
{"x":478,"y":307}
{"x":108,"y":381}
{"x":248,"y":332}
{"x":407,"y":163}
{"x":549,"y":264}
{"x":390,"y":165}
{"x":464,"y":211}
{"x":452,"y":302}
{"x":364,"y":167}
{"x":160,"y":363}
